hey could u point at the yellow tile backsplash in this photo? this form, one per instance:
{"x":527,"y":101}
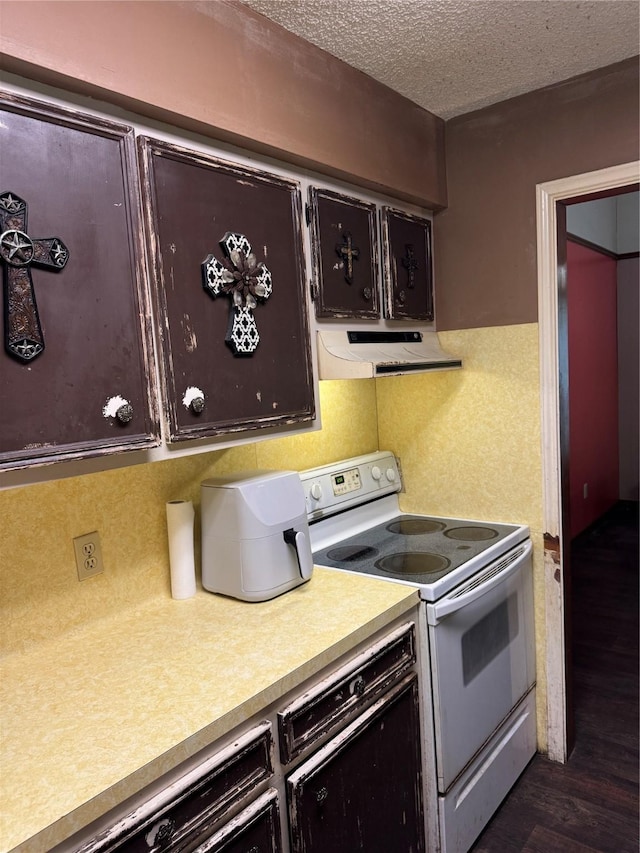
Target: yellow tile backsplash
{"x":468,"y":441}
{"x":349,"y":428}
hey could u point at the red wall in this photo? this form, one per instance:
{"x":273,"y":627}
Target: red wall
{"x":593,"y":383}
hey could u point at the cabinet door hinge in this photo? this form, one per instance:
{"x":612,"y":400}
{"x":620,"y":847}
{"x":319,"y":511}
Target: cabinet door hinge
{"x":307,"y":212}
{"x":314,"y":291}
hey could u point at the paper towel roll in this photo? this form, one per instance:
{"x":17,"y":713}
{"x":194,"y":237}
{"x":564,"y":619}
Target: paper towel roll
{"x":180,"y":517}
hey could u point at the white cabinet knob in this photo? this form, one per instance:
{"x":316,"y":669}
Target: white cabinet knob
{"x":376,"y":473}
{"x":316,"y":491}
{"x":391,"y":475}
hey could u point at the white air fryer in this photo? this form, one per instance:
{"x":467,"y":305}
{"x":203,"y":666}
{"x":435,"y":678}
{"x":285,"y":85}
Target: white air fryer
{"x":255,"y":535}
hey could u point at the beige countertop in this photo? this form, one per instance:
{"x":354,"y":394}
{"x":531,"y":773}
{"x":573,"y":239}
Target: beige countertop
{"x":92,"y":716}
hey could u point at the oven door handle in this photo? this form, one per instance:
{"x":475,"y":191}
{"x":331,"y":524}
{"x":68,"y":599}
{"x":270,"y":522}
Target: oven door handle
{"x":477,"y":587}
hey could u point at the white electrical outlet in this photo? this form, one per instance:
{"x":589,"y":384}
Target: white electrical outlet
{"x":88,"y":555}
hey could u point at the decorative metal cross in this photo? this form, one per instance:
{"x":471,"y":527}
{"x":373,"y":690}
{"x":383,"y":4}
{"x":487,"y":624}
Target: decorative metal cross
{"x":23,"y":333}
{"x":246,"y":281}
{"x":348,"y":252}
{"x":410,"y":263}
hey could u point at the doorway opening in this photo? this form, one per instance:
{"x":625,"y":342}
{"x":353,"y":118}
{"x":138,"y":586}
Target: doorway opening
{"x":551,"y":201}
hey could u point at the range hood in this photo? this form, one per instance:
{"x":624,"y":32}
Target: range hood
{"x":359,"y":354}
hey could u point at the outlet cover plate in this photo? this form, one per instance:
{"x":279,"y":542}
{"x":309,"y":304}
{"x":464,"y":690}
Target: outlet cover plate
{"x":88,"y":555}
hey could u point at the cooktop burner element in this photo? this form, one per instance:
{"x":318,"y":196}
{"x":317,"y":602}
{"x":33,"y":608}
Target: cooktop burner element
{"x":472,"y":534}
{"x":413,"y":563}
{"x":415,"y":526}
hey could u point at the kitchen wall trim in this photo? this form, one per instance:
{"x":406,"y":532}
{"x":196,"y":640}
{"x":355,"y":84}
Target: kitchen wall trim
{"x":553,"y":390}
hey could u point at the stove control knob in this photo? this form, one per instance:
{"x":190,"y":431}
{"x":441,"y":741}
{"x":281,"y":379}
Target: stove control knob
{"x":376,"y":473}
{"x":391,"y":475}
{"x":316,"y":491}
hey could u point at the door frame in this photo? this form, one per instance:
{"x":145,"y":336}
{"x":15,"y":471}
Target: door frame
{"x":554,"y":407}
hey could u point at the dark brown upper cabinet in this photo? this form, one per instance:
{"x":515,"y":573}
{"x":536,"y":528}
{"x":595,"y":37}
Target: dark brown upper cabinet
{"x":77,"y":346}
{"x":345,"y":255}
{"x":407,"y":265}
{"x":225,"y":241}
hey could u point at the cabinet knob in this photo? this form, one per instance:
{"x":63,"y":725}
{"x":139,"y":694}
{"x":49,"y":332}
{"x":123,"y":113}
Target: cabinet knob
{"x":125,"y":413}
{"x":119,"y":409}
{"x":321,"y":795}
{"x":401,"y":297}
{"x":194,"y":400}
{"x":367,"y":293}
{"x":160,"y":834}
{"x":357,"y":686}
{"x":197,"y":405}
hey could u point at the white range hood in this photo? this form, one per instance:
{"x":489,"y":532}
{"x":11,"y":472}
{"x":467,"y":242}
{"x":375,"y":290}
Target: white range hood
{"x":360,"y":354}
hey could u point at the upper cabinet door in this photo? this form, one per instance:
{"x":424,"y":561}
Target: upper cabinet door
{"x":406,"y":242}
{"x":345,"y":251}
{"x":226,"y":245}
{"x":77,"y":342}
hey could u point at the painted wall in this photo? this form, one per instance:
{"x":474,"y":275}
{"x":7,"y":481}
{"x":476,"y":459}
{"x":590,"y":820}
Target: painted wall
{"x":595,"y":221}
{"x":628,"y":223}
{"x":613,"y":223}
{"x":593,"y":384}
{"x":196,"y":65}
{"x":629,"y":377}
{"x":485,"y":258}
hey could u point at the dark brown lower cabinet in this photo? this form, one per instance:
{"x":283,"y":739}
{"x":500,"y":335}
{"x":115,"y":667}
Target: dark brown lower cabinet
{"x":362,"y":790}
{"x":254,"y":830}
{"x":186,"y":810}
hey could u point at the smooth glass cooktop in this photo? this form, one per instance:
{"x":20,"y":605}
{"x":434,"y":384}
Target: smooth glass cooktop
{"x":414,"y":547}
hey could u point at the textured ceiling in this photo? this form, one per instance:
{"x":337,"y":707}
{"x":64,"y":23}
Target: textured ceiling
{"x":454,"y":56}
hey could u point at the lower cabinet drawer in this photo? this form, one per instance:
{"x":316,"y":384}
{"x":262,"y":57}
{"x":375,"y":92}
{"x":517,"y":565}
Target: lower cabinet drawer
{"x":334,"y":700}
{"x":254,"y":830}
{"x":171,"y":813}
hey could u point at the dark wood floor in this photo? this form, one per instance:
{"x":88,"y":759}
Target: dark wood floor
{"x":590,"y":804}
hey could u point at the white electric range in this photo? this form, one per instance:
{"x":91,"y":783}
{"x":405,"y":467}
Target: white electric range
{"x":475,"y":580}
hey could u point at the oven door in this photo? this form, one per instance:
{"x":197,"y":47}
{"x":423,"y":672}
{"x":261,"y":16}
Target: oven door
{"x":482,"y":658}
